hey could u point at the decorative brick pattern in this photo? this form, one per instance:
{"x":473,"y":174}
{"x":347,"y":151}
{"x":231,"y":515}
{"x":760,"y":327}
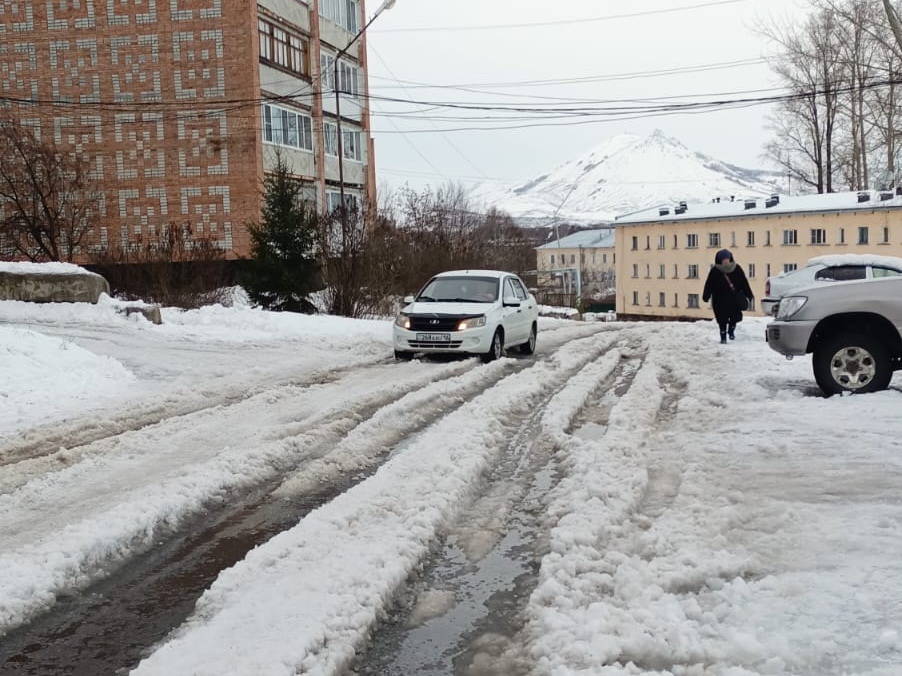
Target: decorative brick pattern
{"x":65,"y":15}
{"x":135,"y":69}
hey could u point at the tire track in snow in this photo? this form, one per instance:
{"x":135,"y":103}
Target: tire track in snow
{"x":464,"y":614}
{"x":119,"y":617}
{"x":307,"y":598}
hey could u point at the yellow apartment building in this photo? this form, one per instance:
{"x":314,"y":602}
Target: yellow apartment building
{"x":664,"y":254}
{"x":580,"y":264}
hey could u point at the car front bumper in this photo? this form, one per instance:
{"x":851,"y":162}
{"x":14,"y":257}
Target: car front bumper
{"x":789,"y":338}
{"x":472,"y":341}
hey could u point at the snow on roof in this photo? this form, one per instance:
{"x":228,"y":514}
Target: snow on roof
{"x":587,"y":239}
{"x":857,"y":259}
{"x":838,"y":201}
{"x":42,"y":268}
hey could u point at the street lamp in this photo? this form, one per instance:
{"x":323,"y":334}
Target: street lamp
{"x":388,"y":4}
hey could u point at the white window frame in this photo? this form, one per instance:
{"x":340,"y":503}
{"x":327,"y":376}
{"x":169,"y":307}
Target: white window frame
{"x":790,"y":237}
{"x":818,"y":236}
{"x":692,"y":301}
{"x":327,"y":71}
{"x":333,"y":200}
{"x":692,"y":272}
{"x":713,"y":240}
{"x":280,"y":122}
{"x":330,"y":138}
{"x":692,"y":241}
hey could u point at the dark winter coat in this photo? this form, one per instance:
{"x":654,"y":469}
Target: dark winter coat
{"x":723,"y":298}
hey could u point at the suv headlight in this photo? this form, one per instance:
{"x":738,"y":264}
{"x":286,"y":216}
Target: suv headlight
{"x":403,"y":321}
{"x":472,"y":323}
{"x":790,"y":306}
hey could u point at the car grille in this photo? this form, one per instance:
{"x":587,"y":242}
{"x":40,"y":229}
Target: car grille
{"x":445,"y":346}
{"x":436,"y":324}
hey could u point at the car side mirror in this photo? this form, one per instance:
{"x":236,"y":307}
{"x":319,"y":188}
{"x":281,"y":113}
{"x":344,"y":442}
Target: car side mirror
{"x":408,"y":300}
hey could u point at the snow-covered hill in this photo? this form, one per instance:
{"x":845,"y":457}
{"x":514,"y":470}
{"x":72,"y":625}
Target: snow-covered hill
{"x":623,"y":174}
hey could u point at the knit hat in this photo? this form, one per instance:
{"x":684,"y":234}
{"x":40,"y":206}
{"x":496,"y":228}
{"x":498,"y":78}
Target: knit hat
{"x":723,"y":254}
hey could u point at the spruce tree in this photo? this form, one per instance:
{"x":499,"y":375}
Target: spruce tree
{"x":283,"y":269}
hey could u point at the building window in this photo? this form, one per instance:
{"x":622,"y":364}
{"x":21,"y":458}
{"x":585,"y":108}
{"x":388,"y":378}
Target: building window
{"x":790,"y":237}
{"x":552,"y":259}
{"x":886,"y":235}
{"x":676,"y":271}
{"x":330,"y":137}
{"x":768,"y":270}
{"x":280,"y":48}
{"x":283,"y":127}
{"x":662,"y":299}
{"x":648,"y":299}
{"x":750,"y":238}
{"x":662,"y":241}
{"x":676,"y":300}
{"x":692,"y":301}
{"x":604,"y":258}
{"x":647,"y":271}
{"x":647,"y":242}
{"x":818,"y":236}
{"x":790,"y":267}
{"x":692,"y":241}
{"x":635,"y":271}
{"x":733,"y":238}
{"x":572,"y":259}
{"x":349,"y":79}
{"x":693,"y":272}
{"x":662,"y":271}
{"x":265,"y":31}
{"x":351,"y":145}
{"x":635,"y":243}
{"x":343,"y":12}
{"x":713,"y":239}
{"x":842,"y":235}
{"x":635,"y":297}
{"x":751,"y":271}
{"x":767,"y":238}
{"x":863,"y":235}
{"x":333,"y":201}
{"x":327,"y":71}
{"x":676,"y":244}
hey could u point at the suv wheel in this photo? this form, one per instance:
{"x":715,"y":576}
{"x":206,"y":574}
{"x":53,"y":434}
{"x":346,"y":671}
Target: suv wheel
{"x":852,"y":362}
{"x":497,"y":348}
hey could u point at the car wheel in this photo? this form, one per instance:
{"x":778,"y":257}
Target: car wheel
{"x":852,"y":362}
{"x":497,"y":348}
{"x":529,"y":347}
{"x":403,"y":356}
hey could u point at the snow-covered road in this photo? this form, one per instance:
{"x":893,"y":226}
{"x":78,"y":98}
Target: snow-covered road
{"x":634,"y":499}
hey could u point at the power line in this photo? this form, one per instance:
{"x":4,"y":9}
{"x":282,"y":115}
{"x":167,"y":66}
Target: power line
{"x":561,"y":22}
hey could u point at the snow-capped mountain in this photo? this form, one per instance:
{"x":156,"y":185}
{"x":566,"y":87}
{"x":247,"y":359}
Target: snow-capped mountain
{"x":624,"y":174}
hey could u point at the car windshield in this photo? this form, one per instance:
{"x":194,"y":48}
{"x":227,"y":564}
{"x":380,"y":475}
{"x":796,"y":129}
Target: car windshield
{"x":460,"y":290}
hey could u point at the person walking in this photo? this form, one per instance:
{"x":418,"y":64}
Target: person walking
{"x":729,"y":292}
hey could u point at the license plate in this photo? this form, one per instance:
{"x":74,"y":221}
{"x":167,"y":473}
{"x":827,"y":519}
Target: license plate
{"x":434,"y":337}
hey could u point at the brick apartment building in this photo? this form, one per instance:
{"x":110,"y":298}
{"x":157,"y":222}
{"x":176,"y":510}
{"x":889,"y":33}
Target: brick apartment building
{"x":664,"y":254}
{"x":181,"y":105}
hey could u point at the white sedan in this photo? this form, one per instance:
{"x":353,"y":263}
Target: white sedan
{"x":481,"y":312}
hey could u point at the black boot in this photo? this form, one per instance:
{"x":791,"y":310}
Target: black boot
{"x":732,"y":333}
{"x":723,"y":337}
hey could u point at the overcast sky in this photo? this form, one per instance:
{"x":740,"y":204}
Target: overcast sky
{"x":714,"y":34}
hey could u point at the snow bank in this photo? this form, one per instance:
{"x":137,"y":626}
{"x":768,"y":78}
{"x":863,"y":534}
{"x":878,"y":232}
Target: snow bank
{"x":43,"y":268}
{"x":307,"y":598}
{"x":557,"y":311}
{"x":243,"y":324}
{"x":43,"y":377}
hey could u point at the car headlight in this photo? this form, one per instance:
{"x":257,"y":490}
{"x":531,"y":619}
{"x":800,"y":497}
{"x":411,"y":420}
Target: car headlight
{"x":403,"y":321}
{"x":472,"y":323}
{"x":790,"y":306}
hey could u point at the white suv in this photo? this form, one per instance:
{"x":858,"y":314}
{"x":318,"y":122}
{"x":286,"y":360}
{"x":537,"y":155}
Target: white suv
{"x":479,"y":312}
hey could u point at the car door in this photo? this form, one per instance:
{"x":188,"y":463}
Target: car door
{"x":529,"y":304}
{"x":513,"y":318}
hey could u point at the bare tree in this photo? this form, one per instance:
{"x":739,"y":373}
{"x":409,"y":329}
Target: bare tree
{"x":894,"y":21}
{"x":47,"y":196}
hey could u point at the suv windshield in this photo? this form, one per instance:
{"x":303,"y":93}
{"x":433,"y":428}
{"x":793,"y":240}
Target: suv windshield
{"x":460,"y":290}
